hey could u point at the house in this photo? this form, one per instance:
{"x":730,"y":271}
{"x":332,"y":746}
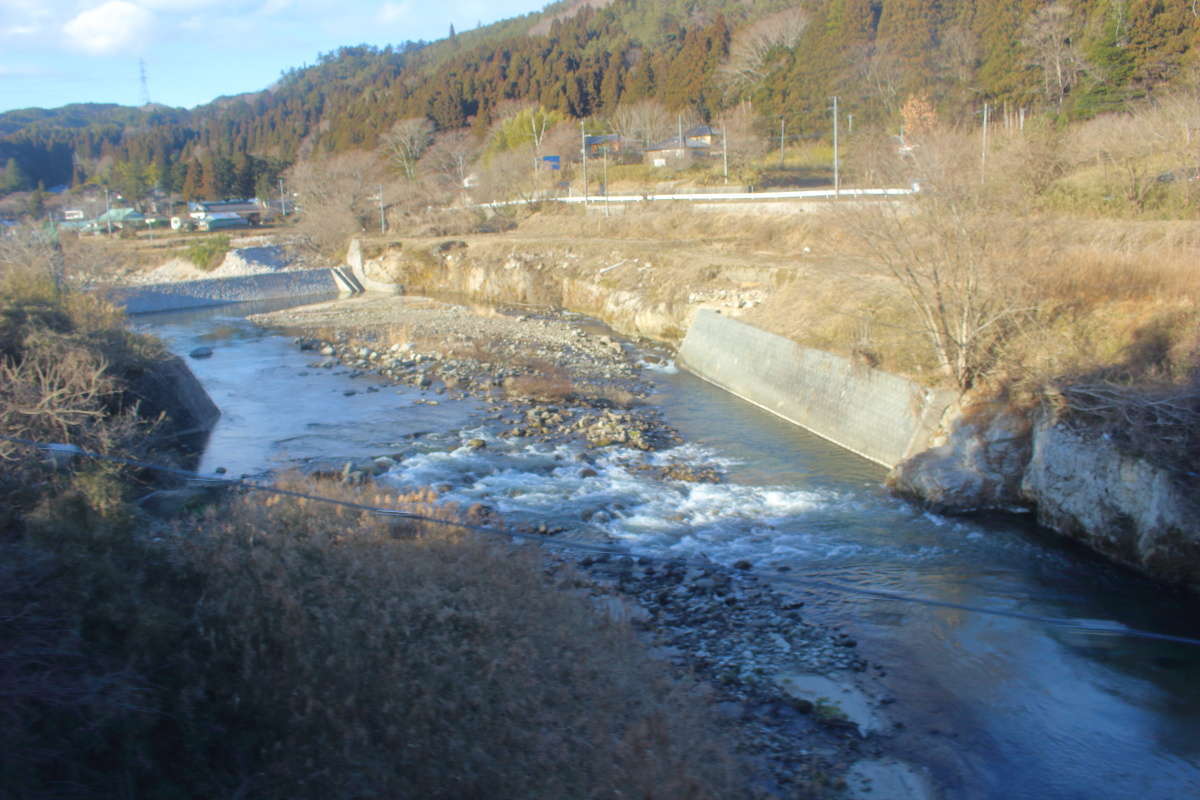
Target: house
{"x":220,"y":220}
{"x":696,"y":143}
{"x":250,"y":211}
{"x":117,"y":218}
{"x":608,"y":142}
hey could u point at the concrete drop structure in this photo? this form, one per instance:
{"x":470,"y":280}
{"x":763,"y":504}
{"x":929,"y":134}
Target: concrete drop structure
{"x":1079,"y":484}
{"x":880,"y":416}
{"x":220,"y":291}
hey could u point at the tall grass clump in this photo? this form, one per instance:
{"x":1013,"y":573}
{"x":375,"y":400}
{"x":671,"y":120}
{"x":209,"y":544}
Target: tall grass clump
{"x":207,"y":254}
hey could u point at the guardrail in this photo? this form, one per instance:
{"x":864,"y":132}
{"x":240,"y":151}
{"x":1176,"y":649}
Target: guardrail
{"x":799,"y":194}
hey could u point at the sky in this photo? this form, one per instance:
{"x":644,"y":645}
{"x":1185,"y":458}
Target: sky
{"x":55,"y":52}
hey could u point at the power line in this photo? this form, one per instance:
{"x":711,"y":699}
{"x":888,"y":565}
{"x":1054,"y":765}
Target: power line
{"x":63,"y":452}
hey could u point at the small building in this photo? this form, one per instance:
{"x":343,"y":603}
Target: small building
{"x":118,"y":218}
{"x":250,"y":211}
{"x":221,"y":220}
{"x":610,"y":142}
{"x":696,"y":143}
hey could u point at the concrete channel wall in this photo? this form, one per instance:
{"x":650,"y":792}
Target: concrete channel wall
{"x":880,"y":416}
{"x":221,"y":291}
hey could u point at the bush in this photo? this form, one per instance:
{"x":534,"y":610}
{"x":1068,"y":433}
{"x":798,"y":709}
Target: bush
{"x":208,"y":254}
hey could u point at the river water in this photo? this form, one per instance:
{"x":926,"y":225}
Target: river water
{"x":992,"y":706}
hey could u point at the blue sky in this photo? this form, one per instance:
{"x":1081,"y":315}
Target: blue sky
{"x":54,"y":52}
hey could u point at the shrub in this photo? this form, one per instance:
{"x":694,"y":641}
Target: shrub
{"x":207,"y":254}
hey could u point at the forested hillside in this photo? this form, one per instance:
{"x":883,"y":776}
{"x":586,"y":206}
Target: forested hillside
{"x":586,"y":58}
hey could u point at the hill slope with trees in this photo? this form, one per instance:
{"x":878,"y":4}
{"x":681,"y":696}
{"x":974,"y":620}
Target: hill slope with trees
{"x":581,"y":59}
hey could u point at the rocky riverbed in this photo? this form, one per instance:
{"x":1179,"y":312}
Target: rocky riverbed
{"x":795,"y":693}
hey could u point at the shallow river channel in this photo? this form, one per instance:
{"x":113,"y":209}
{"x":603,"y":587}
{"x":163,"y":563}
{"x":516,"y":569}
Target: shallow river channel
{"x":993,"y":706}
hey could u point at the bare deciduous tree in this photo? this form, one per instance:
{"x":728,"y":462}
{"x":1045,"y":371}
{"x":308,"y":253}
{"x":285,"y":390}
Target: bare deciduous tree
{"x":1128,"y":146}
{"x":752,"y":46}
{"x":742,"y":143}
{"x":1050,"y":37}
{"x":406,"y":142}
{"x":958,"y":263}
{"x":643,"y":123}
{"x":336,"y":198}
{"x":447,"y":162}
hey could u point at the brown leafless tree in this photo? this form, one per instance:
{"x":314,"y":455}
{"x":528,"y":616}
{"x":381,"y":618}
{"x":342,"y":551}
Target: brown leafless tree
{"x":956,"y":259}
{"x":1051,"y":40}
{"x":742,"y":143}
{"x":643,"y":123}
{"x":406,"y":142}
{"x":752,"y":46}
{"x":336,"y":197}
{"x":448,"y":162}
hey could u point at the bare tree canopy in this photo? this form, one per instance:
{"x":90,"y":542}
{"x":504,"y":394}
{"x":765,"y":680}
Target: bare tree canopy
{"x":751,"y":47}
{"x":406,"y":142}
{"x":958,"y":258}
{"x":336,"y":198}
{"x":643,"y":122}
{"x":1050,"y":38}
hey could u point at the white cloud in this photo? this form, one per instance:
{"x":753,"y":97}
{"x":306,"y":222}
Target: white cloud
{"x":114,"y":27}
{"x":391,"y":13}
{"x":178,"y":5}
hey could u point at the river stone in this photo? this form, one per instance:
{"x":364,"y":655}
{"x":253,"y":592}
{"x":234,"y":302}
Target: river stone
{"x":201,"y":352}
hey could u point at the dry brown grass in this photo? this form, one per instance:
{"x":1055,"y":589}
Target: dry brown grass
{"x":543,"y":382}
{"x":288,"y":648}
{"x":417,"y":660}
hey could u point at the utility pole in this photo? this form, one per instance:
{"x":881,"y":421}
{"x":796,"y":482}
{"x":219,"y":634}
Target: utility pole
{"x":983,"y":155}
{"x":724,"y":153}
{"x":282,"y":200}
{"x":583,"y":149}
{"x":605,"y":151}
{"x":382,"y":219}
{"x":781,"y":128}
{"x":837,"y":180}
{"x":682,"y":143}
{"x":107,"y":211}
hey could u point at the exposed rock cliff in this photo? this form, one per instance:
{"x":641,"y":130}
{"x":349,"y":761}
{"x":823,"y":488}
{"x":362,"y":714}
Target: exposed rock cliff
{"x":1132,"y":511}
{"x":1079,"y":483}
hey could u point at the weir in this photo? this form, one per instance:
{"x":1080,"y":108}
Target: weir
{"x":873,"y":413}
{"x":158,"y":297}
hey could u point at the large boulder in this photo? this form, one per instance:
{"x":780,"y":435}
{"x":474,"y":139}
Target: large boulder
{"x":170,"y":389}
{"x":977,"y":465}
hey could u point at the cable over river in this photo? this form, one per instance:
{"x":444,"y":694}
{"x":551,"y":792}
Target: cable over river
{"x":993,"y":706}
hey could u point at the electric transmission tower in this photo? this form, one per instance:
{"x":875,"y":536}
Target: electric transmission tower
{"x":145,"y":86}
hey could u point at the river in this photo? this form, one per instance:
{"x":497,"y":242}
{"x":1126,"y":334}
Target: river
{"x":993,"y":706}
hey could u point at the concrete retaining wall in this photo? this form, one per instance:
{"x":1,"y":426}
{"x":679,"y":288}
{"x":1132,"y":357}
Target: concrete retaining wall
{"x":221,"y":291}
{"x":878,"y":415}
